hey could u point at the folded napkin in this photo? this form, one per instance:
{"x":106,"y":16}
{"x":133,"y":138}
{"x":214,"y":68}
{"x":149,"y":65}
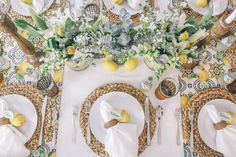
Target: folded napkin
{"x":38,"y":5}
{"x":226,"y":137}
{"x":137,"y":4}
{"x":11,"y":140}
{"x":122,"y":139}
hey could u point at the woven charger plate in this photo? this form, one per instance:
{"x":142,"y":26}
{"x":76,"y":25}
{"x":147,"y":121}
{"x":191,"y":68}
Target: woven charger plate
{"x":197,"y":102}
{"x":36,"y":98}
{"x":96,"y":145}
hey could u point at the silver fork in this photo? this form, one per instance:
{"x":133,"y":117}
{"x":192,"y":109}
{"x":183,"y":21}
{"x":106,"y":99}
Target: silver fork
{"x":159,"y":114}
{"x":177,"y":117}
{"x":88,"y":106}
{"x":191,"y":116}
{"x":75,"y":115}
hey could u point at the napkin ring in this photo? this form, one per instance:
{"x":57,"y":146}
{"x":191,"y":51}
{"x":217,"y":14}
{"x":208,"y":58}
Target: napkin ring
{"x":4,"y":121}
{"x":110,"y":123}
{"x":221,"y":125}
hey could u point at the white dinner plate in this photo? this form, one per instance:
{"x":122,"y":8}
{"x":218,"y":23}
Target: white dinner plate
{"x":117,"y":100}
{"x":204,"y":11}
{"x":205,"y":125}
{"x":114,"y":8}
{"x":22,"y":105}
{"x":22,"y":8}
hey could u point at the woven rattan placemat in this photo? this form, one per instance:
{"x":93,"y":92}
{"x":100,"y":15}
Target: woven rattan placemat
{"x":197,"y":102}
{"x":96,"y":145}
{"x":37,"y":99}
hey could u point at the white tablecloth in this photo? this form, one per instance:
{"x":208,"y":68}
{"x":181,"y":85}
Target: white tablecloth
{"x":77,"y":85}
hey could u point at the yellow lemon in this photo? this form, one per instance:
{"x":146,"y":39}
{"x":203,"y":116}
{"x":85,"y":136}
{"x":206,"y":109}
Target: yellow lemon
{"x":110,"y":65}
{"x":183,"y":58}
{"x":71,"y":50}
{"x":183,"y":101}
{"x":29,"y":2}
{"x":184,"y":36}
{"x":17,"y":120}
{"x":125,"y":117}
{"x":23,"y":67}
{"x":202,"y":3}
{"x":204,"y":76}
{"x":233,"y":121}
{"x":58,"y":76}
{"x":118,"y":2}
{"x":131,"y":64}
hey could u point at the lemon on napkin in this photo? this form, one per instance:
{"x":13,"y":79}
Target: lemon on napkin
{"x":118,"y":2}
{"x":202,"y":3}
{"x":29,"y":2}
{"x":131,"y":64}
{"x":17,"y":120}
{"x":124,"y":116}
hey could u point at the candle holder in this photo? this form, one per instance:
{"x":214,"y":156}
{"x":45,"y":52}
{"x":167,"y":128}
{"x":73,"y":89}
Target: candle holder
{"x":219,"y":30}
{"x":7,"y":26}
{"x":48,"y":86}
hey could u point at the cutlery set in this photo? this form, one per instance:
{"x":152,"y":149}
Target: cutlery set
{"x":88,"y":106}
{"x":159,"y":114}
{"x":75,"y":115}
{"x":178,"y":118}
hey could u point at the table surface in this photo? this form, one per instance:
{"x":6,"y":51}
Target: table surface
{"x":77,"y":85}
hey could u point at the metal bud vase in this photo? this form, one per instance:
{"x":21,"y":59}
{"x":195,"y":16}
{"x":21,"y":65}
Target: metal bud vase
{"x":48,"y":86}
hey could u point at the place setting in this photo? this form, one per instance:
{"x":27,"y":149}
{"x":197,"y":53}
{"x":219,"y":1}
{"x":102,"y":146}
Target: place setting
{"x":210,"y":120}
{"x":108,"y":116}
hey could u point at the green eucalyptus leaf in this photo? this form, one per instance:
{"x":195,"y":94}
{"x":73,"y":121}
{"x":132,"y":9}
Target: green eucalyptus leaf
{"x":69,"y":23}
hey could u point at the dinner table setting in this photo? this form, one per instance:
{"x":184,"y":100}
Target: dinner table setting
{"x":117,"y":78}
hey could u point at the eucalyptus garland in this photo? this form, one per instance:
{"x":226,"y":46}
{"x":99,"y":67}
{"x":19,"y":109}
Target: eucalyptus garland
{"x":167,"y":39}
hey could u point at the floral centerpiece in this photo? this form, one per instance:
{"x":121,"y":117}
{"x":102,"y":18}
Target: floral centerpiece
{"x":164,"y":42}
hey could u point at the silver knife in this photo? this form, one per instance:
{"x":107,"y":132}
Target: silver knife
{"x":43,"y":111}
{"x":147,"y":119}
